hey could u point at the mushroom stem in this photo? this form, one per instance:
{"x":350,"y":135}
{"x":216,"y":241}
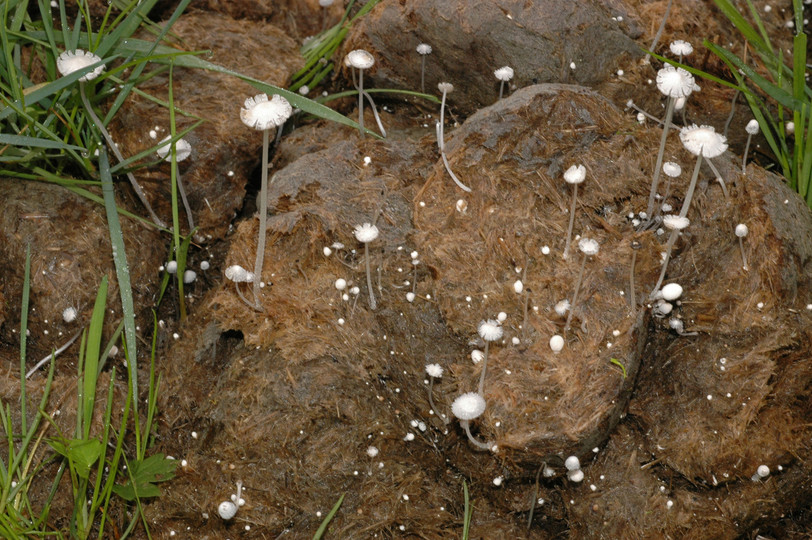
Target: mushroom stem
{"x":263,"y":216}
{"x":242,"y":296}
{"x":719,"y":178}
{"x":361,"y":101}
{"x":691,"y":187}
{"x":661,"y":28}
{"x":669,"y":113}
{"x":746,"y":149}
{"x":423,"y":73}
{"x":671,"y":240}
{"x":372,"y":303}
{"x":744,"y":257}
{"x":484,"y":369}
{"x":441,"y":136}
{"x":575,"y":294}
{"x":441,"y":145}
{"x":501,"y":88}
{"x":466,"y":425}
{"x":572,"y":220}
{"x":106,"y":134}
{"x":433,"y":406}
{"x":632,"y":292}
{"x":375,"y":114}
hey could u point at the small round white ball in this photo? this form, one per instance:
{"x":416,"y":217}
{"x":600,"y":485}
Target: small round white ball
{"x":227,"y":510}
{"x":672,"y":291}
{"x":556,"y":343}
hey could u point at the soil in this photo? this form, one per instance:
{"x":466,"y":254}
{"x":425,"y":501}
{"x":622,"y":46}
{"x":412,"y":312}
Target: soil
{"x":320,"y":394}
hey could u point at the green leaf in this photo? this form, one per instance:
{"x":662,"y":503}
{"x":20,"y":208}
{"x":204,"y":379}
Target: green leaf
{"x":324,"y":524}
{"x":81,"y":453}
{"x":619,"y":364}
{"x":144,"y":477}
{"x":35,"y":142}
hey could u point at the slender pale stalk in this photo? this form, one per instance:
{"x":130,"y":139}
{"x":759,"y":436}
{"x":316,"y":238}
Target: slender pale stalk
{"x":431,"y":402}
{"x":746,"y":149}
{"x":718,"y":178}
{"x":372,"y":303}
{"x":441,"y":137}
{"x":668,"y":247}
{"x":484,"y":369}
{"x":501,"y":89}
{"x":691,"y":187}
{"x":744,"y":257}
{"x":441,"y":146}
{"x":361,"y":101}
{"x":263,"y":218}
{"x":466,"y":425}
{"x":632,"y":292}
{"x":669,"y":113}
{"x":661,"y":28}
{"x":575,"y":295}
{"x":423,"y":73}
{"x":572,"y":220}
{"x":136,"y":186}
{"x":186,"y":206}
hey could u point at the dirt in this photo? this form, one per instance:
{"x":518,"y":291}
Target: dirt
{"x":318,"y":395}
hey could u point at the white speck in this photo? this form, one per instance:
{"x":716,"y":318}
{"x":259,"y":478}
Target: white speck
{"x":176,"y":336}
{"x":768,"y":8}
{"x":501,"y":317}
{"x":616,"y":333}
{"x":405,"y":497}
{"x":409,"y":437}
{"x":327,"y":251}
{"x":367,"y":160}
{"x":763,"y":471}
{"x":498,"y":481}
{"x":410,"y":297}
{"x":596,"y":450}
{"x":518,"y":286}
{"x":760,"y":305}
{"x":372,"y":451}
{"x":184,"y":463}
{"x":710,"y":397}
{"x":669,"y":504}
{"x":545,"y":250}
{"x":572,"y":65}
{"x":340,"y":321}
{"x":515,"y":341}
{"x":468,"y":299}
{"x":194,"y":434}
{"x":422,"y":204}
{"x":230,"y":173}
{"x":620,"y":73}
{"x":204,"y":265}
{"x":593,"y":487}
{"x":318,"y":514}
{"x":153,"y":134}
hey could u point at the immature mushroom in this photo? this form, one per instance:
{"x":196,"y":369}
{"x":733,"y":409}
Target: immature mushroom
{"x":365,"y":234}
{"x":468,"y":407}
{"x":261,"y":113}
{"x":741,"y":232}
{"x":751,"y":128}
{"x":674,"y":83}
{"x":574,"y":176}
{"x":671,"y":170}
{"x":228,"y":509}
{"x":445,"y":88}
{"x":589,"y":248}
{"x":435,"y":371}
{"x":360,"y":59}
{"x":238,"y":274}
{"x":675,"y":224}
{"x":503,"y":74}
{"x":72,"y":61}
{"x":182,"y":151}
{"x":489,"y":330}
{"x":423,"y":49}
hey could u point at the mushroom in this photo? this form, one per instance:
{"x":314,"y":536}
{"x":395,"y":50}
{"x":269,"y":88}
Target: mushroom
{"x":360,"y":59}
{"x":435,"y":371}
{"x":674,"y":83}
{"x":445,"y":88}
{"x":489,"y":330}
{"x":365,"y":234}
{"x":182,"y":150}
{"x":262,"y":113}
{"x":574,"y":176}
{"x":675,"y":224}
{"x":741,"y":231}
{"x":751,"y":128}
{"x":72,"y":61}
{"x":468,"y":407}
{"x":503,"y":74}
{"x":701,"y":141}
{"x":588,"y":247}
{"x":423,"y":49}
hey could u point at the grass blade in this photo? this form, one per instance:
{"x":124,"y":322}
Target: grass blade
{"x":324,"y":524}
{"x":90,"y":372}
{"x":122,"y":272}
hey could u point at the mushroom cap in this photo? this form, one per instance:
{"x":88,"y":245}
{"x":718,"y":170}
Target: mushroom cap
{"x":576,"y":476}
{"x":675,"y":82}
{"x":326,"y":3}
{"x":572,"y":463}
{"x":588,"y":246}
{"x":71,"y":61}
{"x":504,"y":73}
{"x":741,"y":230}
{"x":468,"y":406}
{"x":763,"y":471}
{"x":434,"y":370}
{"x":424,"y":49}
{"x":681,"y":47}
{"x":672,"y":169}
{"x":556,"y":343}
{"x":672,"y":291}
{"x":477,"y":356}
{"x":227,"y":510}
{"x":360,"y":59}
{"x":261,"y":113}
{"x":182,"y":149}
{"x":575,"y":174}
{"x":69,"y":314}
{"x":366,"y":233}
{"x":490,"y":330}
{"x":675,"y":223}
{"x":752,"y":127}
{"x":445,"y":87}
{"x":703,"y":140}
{"x":238,"y":274}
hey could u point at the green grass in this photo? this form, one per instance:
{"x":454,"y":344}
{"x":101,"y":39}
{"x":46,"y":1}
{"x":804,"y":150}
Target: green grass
{"x":776,"y":92}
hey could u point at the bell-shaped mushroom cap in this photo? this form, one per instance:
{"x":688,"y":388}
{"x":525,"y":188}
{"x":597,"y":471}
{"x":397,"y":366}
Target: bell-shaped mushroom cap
{"x":261,"y":113}
{"x":675,"y":223}
{"x":588,"y":246}
{"x":360,"y":59}
{"x":504,"y":73}
{"x":366,"y":233}
{"x":675,"y":82}
{"x":575,"y":174}
{"x":424,"y":49}
{"x":445,"y":87}
{"x":681,"y":47}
